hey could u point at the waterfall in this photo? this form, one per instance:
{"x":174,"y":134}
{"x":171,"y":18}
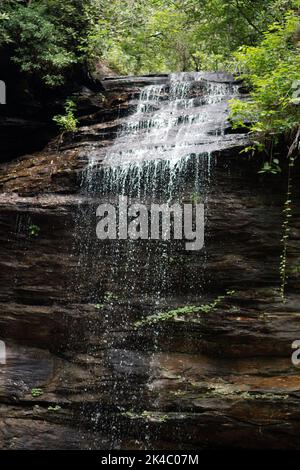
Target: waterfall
{"x":164,"y":152}
{"x":182,"y":119}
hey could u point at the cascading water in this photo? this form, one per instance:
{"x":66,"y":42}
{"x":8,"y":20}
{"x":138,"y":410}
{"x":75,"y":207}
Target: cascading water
{"x":163,"y":153}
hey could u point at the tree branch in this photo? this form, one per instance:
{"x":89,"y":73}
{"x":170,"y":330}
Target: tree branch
{"x":245,"y":16}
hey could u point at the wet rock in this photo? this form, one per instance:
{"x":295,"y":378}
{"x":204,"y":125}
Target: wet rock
{"x":220,"y":378}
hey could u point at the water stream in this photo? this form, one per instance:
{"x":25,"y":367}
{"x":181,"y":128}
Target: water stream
{"x":163,"y":153}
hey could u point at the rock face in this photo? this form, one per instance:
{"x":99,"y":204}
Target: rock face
{"x":30,"y":107}
{"x":79,"y":374}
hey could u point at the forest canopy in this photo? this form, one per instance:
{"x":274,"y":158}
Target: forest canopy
{"x":46,"y":40}
{"x":181,"y":35}
{"x":47,"y":37}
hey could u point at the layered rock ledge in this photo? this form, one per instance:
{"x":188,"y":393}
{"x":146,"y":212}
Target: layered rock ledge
{"x":77,"y":371}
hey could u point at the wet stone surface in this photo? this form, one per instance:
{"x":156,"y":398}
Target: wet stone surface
{"x":79,"y":373}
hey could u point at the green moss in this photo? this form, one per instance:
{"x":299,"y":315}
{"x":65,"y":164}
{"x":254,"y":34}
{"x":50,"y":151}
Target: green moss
{"x":229,"y":391}
{"x":54,"y":408}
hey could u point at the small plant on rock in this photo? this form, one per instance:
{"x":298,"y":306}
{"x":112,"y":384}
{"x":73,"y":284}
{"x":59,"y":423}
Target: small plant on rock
{"x":67,"y":122}
{"x":34,"y":230}
{"x":36,"y":392}
{"x":54,"y":408}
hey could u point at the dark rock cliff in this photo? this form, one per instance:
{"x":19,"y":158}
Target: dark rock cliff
{"x":222,"y":378}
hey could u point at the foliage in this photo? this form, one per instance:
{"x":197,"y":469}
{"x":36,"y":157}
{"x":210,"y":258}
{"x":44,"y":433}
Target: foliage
{"x":287,"y":212}
{"x":182,"y":311}
{"x":67,"y":122}
{"x":44,"y":37}
{"x":36,"y":392}
{"x":196,"y":198}
{"x":271,"y":167}
{"x":34,"y":230}
{"x":178,"y":35}
{"x":47,"y":38}
{"x":137,"y":37}
{"x":99,"y":306}
{"x":271,"y":69}
{"x":54,"y":408}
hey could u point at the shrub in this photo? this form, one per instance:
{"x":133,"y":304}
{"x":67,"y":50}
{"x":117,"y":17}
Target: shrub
{"x":67,"y":122}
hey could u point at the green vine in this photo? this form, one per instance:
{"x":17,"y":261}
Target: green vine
{"x":292,"y":155}
{"x":287,"y":211}
{"x":182,"y":311}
